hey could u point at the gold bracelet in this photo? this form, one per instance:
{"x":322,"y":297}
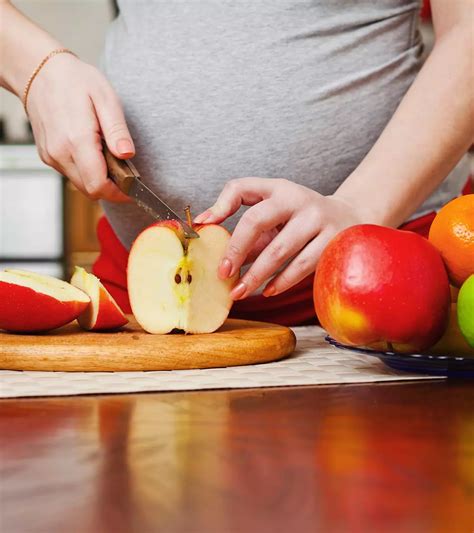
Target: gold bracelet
{"x":37,"y":69}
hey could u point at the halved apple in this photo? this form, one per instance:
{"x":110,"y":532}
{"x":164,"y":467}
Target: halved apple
{"x":31,"y":302}
{"x":103,"y":312}
{"x":173,"y":282}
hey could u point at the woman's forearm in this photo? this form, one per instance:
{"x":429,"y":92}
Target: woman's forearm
{"x":71,"y":106}
{"x":428,"y":134}
{"x":23,"y":45}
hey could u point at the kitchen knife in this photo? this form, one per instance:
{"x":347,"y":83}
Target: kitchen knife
{"x":125,"y":175}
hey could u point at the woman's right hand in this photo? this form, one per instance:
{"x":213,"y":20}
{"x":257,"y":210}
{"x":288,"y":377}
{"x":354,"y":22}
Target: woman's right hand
{"x":71,"y":106}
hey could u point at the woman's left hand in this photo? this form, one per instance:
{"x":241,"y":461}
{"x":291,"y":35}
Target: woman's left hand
{"x":286,"y":221}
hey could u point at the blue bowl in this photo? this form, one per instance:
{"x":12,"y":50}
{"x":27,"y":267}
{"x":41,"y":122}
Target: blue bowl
{"x":451,"y":366}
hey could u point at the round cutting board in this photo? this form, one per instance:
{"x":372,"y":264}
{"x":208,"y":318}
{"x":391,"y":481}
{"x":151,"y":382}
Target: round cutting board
{"x":70,"y":349}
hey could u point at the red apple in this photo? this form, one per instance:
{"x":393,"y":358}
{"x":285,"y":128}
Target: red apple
{"x":173,"y":282}
{"x":382,"y":288}
{"x":103,"y":312}
{"x":32,"y":302}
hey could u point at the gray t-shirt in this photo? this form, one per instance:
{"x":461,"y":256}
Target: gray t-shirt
{"x":296,"y":89}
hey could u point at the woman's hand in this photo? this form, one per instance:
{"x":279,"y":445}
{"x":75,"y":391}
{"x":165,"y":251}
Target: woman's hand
{"x":70,"y":105}
{"x":286,"y":221}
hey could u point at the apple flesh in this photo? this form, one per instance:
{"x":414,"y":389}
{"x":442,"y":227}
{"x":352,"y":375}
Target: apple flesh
{"x":173,"y":282}
{"x":32,"y":302}
{"x":103,"y":313}
{"x":382,"y":288}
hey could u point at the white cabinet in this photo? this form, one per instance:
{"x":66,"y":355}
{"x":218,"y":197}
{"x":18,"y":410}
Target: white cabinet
{"x":31,"y":204}
{"x":31,"y":211}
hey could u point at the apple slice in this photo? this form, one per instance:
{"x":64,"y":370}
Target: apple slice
{"x":32,"y":302}
{"x":173,"y":282}
{"x":103,"y":313}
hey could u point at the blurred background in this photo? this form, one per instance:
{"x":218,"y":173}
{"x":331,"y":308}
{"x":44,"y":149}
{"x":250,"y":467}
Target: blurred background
{"x":46,"y":225}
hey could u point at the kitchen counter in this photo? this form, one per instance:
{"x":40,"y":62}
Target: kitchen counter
{"x":379,"y":457}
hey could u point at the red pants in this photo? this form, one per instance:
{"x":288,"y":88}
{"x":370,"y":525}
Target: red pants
{"x":291,"y":308}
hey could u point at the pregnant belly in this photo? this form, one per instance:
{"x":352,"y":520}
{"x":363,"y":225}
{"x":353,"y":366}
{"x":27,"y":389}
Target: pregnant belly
{"x":194,"y":131}
{"x":188,"y":147}
{"x":185,"y":142}
{"x":218,"y":90}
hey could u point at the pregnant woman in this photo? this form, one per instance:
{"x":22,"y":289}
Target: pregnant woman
{"x":316,"y":114}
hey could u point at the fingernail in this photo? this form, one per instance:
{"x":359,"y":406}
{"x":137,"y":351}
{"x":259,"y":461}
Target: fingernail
{"x":125,"y":147}
{"x":225,"y":268}
{"x":269,"y":291}
{"x":238,"y":291}
{"x":200,"y":219}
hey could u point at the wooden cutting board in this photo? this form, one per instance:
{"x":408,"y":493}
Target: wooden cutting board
{"x":70,"y":349}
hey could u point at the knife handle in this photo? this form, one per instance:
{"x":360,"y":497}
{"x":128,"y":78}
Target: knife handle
{"x":118,"y":170}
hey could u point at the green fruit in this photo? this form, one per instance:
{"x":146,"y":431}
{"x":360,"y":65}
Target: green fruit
{"x":466,"y":310}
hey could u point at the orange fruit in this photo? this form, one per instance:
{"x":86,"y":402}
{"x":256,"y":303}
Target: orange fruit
{"x":452,"y":233}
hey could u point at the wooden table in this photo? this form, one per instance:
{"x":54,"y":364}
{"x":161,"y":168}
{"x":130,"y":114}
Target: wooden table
{"x":368,"y":458}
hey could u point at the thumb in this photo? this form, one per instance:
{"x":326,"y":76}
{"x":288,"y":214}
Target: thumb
{"x":113,"y":126}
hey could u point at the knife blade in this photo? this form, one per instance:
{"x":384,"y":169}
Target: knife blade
{"x":127,"y":178}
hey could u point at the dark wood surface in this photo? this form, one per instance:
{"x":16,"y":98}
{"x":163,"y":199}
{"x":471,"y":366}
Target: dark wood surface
{"x":368,"y":458}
